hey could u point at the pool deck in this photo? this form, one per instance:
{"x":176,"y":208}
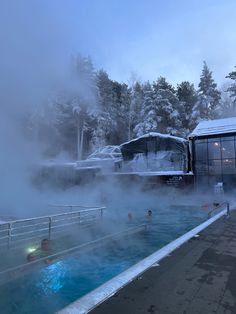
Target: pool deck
{"x":197,"y":278}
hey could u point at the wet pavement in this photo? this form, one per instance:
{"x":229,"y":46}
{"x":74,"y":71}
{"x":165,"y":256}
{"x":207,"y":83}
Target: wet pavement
{"x":199,"y":277}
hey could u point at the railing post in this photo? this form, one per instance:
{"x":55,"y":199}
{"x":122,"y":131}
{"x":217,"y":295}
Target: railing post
{"x":9,"y":234}
{"x":228,"y":211}
{"x":49,"y":228}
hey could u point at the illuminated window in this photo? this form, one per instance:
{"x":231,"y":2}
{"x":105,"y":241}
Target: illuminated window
{"x":215,"y":166}
{"x":228,"y":166}
{"x":214,"y":150}
{"x":228,"y":149}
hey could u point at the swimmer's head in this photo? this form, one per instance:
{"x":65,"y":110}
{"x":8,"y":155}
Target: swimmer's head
{"x":45,"y":244}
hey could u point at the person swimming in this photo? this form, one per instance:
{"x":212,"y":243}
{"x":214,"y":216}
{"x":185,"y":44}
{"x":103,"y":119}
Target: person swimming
{"x":40,"y":252}
{"x":130,"y":216}
{"x":149,"y":214}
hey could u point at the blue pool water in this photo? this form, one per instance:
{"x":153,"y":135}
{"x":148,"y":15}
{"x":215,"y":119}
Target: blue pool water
{"x":56,"y":285}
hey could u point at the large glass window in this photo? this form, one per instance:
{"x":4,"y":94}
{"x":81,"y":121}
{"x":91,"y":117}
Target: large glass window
{"x":227,"y":149}
{"x":227,"y":138}
{"x":214,"y":150}
{"x":201,"y":167}
{"x":201,"y":151}
{"x":213,"y":139}
{"x":215,"y":166}
{"x":202,"y":183}
{"x":228,"y":166}
{"x":151,"y":146}
{"x":215,"y":156}
{"x":202,"y":140}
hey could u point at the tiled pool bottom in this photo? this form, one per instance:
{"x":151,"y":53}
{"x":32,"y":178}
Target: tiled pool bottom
{"x":50,"y":289}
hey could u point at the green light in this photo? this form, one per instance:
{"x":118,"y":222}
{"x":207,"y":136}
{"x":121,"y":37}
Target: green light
{"x":31,"y":249}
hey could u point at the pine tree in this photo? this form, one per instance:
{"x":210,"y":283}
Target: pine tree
{"x":74,"y":108}
{"x":66,"y":127}
{"x":137,"y":100}
{"x":84,"y":100}
{"x":84,"y":80}
{"x":166,"y":102}
{"x":149,"y":118}
{"x":121,"y":105}
{"x":104,"y":117}
{"x":227,"y":107}
{"x":208,"y":96}
{"x":187,"y":97}
{"x":232,"y":88}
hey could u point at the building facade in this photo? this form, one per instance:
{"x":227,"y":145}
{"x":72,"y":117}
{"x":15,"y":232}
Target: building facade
{"x":213,"y":145}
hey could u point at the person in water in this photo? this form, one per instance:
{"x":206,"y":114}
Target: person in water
{"x":149,"y":214}
{"x":40,"y":252}
{"x":130,"y":216}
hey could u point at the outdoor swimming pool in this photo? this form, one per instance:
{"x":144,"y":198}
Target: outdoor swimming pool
{"x":56,"y":285}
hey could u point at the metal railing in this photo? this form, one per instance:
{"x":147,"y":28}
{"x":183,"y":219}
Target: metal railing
{"x":46,"y":226}
{"x":14,"y":272}
{"x":217,"y":206}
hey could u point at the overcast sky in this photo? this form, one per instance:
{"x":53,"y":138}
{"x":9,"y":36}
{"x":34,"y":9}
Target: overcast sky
{"x":149,"y":37}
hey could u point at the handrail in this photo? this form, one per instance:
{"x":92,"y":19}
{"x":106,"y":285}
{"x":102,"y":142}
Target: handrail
{"x":17,"y":240}
{"x":72,"y":250}
{"x":47,"y":224}
{"x":55,"y":215}
{"x":72,"y":206}
{"x":218,"y":206}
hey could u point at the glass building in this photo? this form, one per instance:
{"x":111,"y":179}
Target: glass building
{"x":156,"y":152}
{"x":213,"y":145}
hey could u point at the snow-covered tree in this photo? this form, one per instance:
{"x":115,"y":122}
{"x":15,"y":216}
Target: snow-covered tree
{"x":83,"y":81}
{"x":121,"y":105}
{"x":227,"y":107}
{"x":232,"y":88}
{"x":187,"y":97}
{"x":84,"y":99}
{"x":208,"y":96}
{"x":66,"y":127}
{"x":93,"y":111}
{"x":137,"y":101}
{"x":166,"y":102}
{"x":149,"y":118}
{"x":104,"y":117}
{"x":75,"y":106}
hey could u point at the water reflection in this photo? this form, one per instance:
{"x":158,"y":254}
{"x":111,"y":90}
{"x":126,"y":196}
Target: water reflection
{"x":53,"y":277}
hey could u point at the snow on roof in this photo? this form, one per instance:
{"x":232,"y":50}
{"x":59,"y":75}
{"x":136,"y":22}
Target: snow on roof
{"x":155,"y":134}
{"x":214,"y":127}
{"x":154,"y":173}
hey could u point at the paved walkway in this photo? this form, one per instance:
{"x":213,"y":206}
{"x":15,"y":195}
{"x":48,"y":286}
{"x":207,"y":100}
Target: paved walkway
{"x":198,"y":278}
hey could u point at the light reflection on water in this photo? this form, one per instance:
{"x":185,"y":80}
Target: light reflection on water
{"x":52,"y":278}
{"x":56,"y":285}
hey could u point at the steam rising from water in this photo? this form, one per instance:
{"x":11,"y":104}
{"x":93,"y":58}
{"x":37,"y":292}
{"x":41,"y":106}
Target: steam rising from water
{"x":31,"y":65}
{"x":33,"y":61}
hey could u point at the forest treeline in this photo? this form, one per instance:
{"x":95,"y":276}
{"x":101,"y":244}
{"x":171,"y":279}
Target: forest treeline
{"x":92,"y":110}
